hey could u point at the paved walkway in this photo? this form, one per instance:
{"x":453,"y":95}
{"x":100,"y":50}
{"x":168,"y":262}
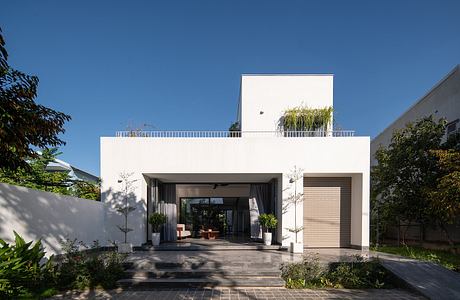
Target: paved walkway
{"x":239,"y":294}
{"x":429,"y":279}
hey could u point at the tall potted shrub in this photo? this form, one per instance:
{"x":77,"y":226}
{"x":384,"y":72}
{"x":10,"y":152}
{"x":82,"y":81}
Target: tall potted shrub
{"x":268,"y":221}
{"x":156,"y":220}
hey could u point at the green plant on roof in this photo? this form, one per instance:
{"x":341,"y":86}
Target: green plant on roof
{"x":303,"y":118}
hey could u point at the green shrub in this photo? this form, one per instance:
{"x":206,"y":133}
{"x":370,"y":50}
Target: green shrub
{"x":359,"y":273}
{"x":305,"y":273}
{"x":22,"y":271}
{"x":82,"y":269}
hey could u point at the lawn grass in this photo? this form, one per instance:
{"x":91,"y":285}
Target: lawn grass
{"x":447,"y":259}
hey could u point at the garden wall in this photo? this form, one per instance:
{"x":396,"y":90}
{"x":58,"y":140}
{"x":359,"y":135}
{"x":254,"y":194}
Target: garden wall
{"x":35,"y":214}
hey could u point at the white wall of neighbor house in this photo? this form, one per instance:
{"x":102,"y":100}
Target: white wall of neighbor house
{"x":264,"y":98}
{"x":51,"y":217}
{"x":442,"y":101}
{"x":249,"y":155}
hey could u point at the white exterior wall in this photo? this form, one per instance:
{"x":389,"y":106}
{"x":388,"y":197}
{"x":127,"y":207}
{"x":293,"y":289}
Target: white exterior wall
{"x":51,"y":217}
{"x":249,"y":155}
{"x":442,"y":101}
{"x":273,"y":94}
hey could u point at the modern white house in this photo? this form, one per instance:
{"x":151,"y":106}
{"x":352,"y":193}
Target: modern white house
{"x":239,"y":174}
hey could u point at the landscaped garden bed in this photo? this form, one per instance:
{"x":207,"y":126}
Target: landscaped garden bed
{"x":445,"y":258}
{"x":24,"y":274}
{"x":358,"y":273}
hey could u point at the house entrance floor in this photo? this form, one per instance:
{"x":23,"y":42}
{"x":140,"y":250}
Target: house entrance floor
{"x":197,"y":244}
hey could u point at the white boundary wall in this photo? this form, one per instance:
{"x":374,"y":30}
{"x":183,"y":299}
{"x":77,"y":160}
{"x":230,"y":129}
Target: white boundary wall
{"x":51,"y":217}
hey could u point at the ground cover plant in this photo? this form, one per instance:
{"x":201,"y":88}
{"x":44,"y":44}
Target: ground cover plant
{"x":25,"y":273}
{"x":445,"y":258}
{"x":359,"y":273}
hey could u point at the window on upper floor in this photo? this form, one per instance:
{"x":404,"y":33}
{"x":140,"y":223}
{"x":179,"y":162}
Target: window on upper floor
{"x":452,"y":127}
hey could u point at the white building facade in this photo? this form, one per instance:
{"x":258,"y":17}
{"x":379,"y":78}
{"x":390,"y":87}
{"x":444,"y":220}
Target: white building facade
{"x":248,"y":172}
{"x":441,"y":101}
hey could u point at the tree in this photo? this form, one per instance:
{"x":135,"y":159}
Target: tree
{"x":294,"y":199}
{"x":445,"y":198}
{"x":24,"y":124}
{"x":407,"y":172}
{"x":36,"y":176}
{"x":124,"y":207}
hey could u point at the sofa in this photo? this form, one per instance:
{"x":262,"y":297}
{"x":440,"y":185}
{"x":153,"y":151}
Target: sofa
{"x":182,"y":232}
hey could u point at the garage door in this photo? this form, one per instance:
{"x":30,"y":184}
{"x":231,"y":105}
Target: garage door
{"x":327,"y":211}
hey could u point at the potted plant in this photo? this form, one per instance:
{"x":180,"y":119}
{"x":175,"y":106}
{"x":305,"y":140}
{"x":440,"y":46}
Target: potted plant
{"x":268,"y":221}
{"x":156,"y":220}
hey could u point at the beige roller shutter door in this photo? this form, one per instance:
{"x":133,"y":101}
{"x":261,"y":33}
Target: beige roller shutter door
{"x":327,"y":211}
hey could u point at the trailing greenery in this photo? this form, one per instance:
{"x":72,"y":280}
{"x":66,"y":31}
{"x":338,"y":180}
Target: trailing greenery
{"x":303,"y":118}
{"x":157,"y":220}
{"x":445,"y":258}
{"x":357,"y":274}
{"x":22,"y":273}
{"x":37,"y":177}
{"x":268,"y":221}
{"x":417,"y":179}
{"x":24,"y":124}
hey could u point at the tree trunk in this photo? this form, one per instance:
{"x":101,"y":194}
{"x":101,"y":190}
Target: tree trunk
{"x":449,"y":239}
{"x":405,"y":232}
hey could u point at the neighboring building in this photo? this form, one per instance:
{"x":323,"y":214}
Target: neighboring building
{"x":74,"y":173}
{"x":191,"y":174}
{"x":442,"y":101}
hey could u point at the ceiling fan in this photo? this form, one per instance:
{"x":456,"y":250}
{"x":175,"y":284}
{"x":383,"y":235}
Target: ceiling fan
{"x":219,"y":184}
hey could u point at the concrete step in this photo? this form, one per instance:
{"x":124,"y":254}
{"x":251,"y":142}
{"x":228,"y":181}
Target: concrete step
{"x":181,"y":273}
{"x":194,"y":247}
{"x":212,"y":281}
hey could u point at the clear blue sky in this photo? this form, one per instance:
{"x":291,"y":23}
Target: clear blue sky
{"x":177,"y":64}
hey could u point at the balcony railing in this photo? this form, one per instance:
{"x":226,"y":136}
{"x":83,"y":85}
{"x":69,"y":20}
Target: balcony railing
{"x":232,"y":134}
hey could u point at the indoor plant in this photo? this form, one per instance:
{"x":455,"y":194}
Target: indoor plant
{"x":268,"y":221}
{"x":156,"y":220}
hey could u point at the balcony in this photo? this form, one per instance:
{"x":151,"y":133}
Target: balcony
{"x":232,"y":134}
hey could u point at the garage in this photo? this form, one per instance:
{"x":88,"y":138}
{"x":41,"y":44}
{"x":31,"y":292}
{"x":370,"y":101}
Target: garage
{"x":327,"y":212}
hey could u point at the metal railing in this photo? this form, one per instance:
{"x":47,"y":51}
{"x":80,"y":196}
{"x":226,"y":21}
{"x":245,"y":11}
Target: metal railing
{"x":232,"y":134}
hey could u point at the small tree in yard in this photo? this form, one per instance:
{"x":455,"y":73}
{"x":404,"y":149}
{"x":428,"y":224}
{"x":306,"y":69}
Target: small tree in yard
{"x":124,"y":208}
{"x":445,"y":198}
{"x":294,"y":199}
{"x":416,"y":179}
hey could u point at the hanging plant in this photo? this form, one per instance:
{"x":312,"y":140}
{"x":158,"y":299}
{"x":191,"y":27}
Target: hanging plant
{"x":306,"y":119}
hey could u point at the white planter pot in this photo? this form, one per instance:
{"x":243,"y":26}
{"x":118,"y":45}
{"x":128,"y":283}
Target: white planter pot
{"x":125,"y":248}
{"x":267,"y":238}
{"x":155,"y":238}
{"x":296,"y":247}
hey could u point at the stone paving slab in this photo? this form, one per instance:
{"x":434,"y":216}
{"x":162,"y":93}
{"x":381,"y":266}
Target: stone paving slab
{"x":239,"y":294}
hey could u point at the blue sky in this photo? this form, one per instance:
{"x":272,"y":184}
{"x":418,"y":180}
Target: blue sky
{"x":177,"y":64}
